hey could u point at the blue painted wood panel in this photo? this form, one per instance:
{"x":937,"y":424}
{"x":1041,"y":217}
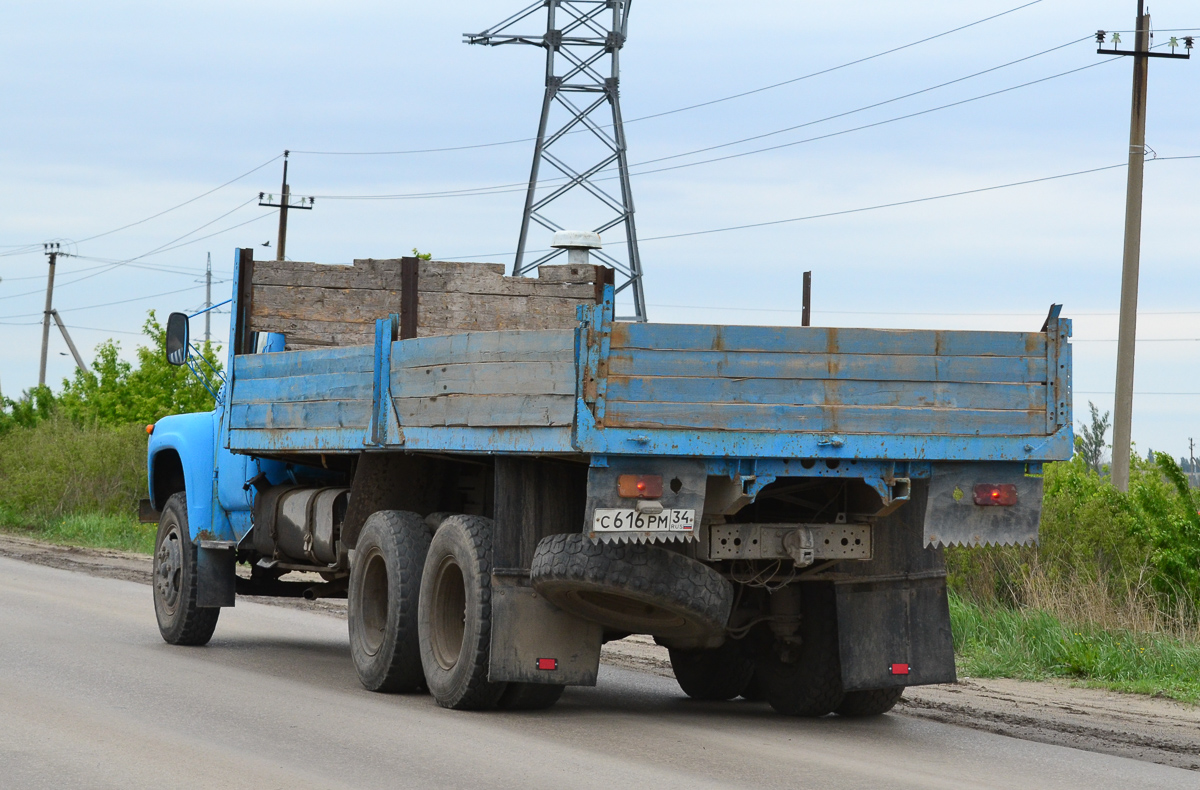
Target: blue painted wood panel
{"x":775,"y":418}
{"x":831,"y":340}
{"x":342,"y":359}
{"x":909,"y":394}
{"x":302,"y":414}
{"x":863,"y":367}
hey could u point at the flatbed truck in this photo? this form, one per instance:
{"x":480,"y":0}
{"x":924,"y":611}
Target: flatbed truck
{"x":500,"y":476}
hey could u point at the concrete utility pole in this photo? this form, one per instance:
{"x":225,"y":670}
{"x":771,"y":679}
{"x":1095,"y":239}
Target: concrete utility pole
{"x":51,"y":250}
{"x":208,"y":300}
{"x":285,"y":203}
{"x":1131,"y":258}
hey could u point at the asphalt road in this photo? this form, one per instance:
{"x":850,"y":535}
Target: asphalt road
{"x":90,"y":697}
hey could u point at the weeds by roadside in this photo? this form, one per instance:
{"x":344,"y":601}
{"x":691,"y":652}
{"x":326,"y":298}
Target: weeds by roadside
{"x":1032,"y":644}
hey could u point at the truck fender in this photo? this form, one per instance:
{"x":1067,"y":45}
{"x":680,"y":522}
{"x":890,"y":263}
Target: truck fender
{"x":180,"y":457}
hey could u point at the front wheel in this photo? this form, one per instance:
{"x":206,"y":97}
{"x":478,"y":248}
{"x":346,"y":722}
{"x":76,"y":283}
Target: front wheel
{"x":180,"y":621}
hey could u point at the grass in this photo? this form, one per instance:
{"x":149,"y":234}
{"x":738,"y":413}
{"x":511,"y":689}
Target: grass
{"x":993,"y":641}
{"x":94,"y":530}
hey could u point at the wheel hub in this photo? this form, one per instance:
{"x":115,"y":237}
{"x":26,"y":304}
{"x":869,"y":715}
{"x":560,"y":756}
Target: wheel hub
{"x":168,"y":568}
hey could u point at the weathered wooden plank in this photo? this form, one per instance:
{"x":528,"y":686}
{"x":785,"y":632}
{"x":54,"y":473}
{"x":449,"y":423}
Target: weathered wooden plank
{"x":480,"y":312}
{"x":363,"y":275}
{"x":826,"y":419}
{"x":570,"y":273}
{"x":509,"y":378}
{"x":515,"y":345}
{"x":943,"y":395}
{"x":868,"y":367}
{"x":348,"y":305}
{"x":300,"y":332}
{"x":487,"y":411}
{"x":304,"y":386}
{"x":318,"y":440}
{"x":301,"y":415}
{"x":829,"y":340}
{"x":350,"y":359}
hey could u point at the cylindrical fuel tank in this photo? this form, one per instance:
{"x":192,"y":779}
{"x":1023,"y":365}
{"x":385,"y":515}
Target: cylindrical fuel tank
{"x":302,"y":524}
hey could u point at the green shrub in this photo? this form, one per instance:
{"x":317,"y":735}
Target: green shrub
{"x":58,"y":468}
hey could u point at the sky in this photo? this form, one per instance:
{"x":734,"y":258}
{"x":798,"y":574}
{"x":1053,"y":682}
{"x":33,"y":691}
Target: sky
{"x":112,"y":113}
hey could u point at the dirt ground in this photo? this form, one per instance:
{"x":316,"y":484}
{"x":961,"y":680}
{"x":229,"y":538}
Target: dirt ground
{"x":1126,"y":725}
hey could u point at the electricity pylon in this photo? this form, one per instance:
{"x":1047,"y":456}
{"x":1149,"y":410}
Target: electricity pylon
{"x":580,"y":35}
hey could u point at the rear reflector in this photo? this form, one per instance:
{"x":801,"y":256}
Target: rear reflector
{"x":996,"y":495}
{"x":899,"y":669}
{"x":639,"y":486}
{"x":548,"y":663}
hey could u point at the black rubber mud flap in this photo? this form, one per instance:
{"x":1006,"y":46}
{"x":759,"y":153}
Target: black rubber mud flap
{"x":893,"y":614}
{"x":216,"y":573}
{"x":894,"y":634}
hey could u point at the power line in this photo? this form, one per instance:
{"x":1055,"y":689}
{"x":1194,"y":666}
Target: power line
{"x":181,"y":205}
{"x":520,"y":186}
{"x":855,"y":210}
{"x":690,"y":106}
{"x":111,"y":304}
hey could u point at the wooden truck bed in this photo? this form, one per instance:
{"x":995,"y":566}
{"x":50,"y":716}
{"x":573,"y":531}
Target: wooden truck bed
{"x":509,"y":369}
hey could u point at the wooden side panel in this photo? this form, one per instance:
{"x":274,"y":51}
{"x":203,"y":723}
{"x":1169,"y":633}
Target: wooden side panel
{"x":295,"y":391}
{"x":485,"y":379}
{"x":826,"y":380}
{"x":332,"y":305}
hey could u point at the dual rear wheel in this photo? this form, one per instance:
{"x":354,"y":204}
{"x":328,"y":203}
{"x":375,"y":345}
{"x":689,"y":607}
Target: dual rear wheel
{"x":420,"y":613}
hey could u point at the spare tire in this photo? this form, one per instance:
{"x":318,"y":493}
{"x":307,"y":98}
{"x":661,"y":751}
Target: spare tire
{"x":635,"y":588}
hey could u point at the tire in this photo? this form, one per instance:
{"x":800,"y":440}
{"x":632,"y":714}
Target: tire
{"x":530,"y":696}
{"x":180,"y":621}
{"x":719,"y":673}
{"x":455,"y":619}
{"x":811,"y":683}
{"x":385,"y":581}
{"x":634,"y":588}
{"x":875,"y":702}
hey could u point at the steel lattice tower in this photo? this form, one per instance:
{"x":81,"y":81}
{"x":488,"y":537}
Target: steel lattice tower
{"x":579,"y":35}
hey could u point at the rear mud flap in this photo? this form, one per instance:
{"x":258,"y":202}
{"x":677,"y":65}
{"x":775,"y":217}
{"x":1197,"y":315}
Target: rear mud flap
{"x":894,"y":634}
{"x":533,"y":641}
{"x":893,"y":613}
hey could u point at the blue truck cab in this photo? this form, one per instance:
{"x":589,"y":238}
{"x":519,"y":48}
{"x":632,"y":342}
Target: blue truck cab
{"x":500,"y":476}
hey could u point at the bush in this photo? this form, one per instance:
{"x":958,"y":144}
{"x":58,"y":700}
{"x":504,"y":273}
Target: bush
{"x":58,"y":467}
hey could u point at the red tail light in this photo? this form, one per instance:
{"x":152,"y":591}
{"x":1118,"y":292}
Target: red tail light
{"x":996,"y":495}
{"x":640,"y":486}
{"x":547,"y":663}
{"x":899,"y":669}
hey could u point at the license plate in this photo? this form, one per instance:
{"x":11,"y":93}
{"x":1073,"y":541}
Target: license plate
{"x":630,"y":520}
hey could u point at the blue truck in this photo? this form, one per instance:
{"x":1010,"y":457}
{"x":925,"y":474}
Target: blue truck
{"x":501,"y":476}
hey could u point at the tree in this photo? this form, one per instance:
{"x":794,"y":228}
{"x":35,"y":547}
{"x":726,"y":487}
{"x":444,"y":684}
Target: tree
{"x":114,"y":392}
{"x":1090,"y":442}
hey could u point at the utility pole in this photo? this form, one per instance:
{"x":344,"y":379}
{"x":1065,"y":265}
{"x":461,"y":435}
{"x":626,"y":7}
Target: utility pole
{"x":208,"y":300}
{"x":50,"y":250}
{"x":1131,"y":257}
{"x":579,"y":35}
{"x":806,"y":309}
{"x":285,"y":202}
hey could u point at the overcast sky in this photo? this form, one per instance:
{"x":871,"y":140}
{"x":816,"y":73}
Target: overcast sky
{"x":111,"y":112}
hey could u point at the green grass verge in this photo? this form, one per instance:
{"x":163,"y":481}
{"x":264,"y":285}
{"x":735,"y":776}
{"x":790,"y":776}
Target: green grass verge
{"x":999,"y":642}
{"x":94,"y":530}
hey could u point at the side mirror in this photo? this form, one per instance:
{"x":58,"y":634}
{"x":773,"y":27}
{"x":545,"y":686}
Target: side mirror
{"x":177,"y":338}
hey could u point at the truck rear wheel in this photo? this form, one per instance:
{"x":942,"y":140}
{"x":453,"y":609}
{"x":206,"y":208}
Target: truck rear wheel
{"x":382,"y":607}
{"x":720,"y":673}
{"x":180,"y":621}
{"x":874,"y":702}
{"x":634,"y":588}
{"x":455,"y":619}
{"x":805,"y":679}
